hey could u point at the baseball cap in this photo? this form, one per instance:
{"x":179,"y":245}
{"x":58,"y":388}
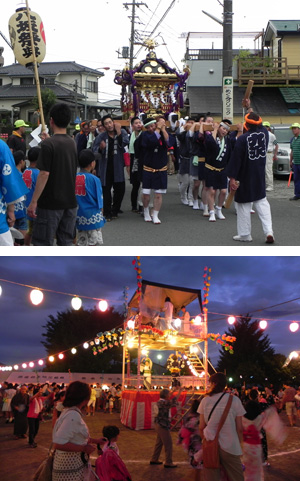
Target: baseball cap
{"x":266,"y":124}
{"x":295,"y":125}
{"x":20,"y":123}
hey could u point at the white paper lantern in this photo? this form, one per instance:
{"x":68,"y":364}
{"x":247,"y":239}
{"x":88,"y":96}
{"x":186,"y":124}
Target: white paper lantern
{"x":20,"y":36}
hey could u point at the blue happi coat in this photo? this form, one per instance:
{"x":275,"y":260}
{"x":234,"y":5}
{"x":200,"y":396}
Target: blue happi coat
{"x":12,"y":187}
{"x":90,"y":202}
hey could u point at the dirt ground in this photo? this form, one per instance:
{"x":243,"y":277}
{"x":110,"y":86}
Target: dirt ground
{"x":18,"y":462}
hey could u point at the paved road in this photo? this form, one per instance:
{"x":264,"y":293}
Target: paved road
{"x":183,"y":226}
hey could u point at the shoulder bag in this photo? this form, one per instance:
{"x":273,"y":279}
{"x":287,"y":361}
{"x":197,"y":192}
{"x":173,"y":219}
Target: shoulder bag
{"x":44,"y":471}
{"x":211,"y":457}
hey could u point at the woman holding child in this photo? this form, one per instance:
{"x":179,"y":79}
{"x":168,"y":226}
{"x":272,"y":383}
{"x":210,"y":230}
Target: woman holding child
{"x":71,"y":439}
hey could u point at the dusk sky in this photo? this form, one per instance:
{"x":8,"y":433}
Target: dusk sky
{"x":239,"y":285}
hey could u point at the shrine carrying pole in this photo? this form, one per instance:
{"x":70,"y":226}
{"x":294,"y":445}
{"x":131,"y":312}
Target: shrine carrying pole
{"x":36,"y":73}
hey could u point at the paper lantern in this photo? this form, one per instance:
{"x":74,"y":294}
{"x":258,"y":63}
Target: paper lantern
{"x":76,"y":303}
{"x":231,"y":320}
{"x":31,"y":364}
{"x":24,"y":365}
{"x":294,"y":326}
{"x":263,"y":324}
{"x":36,"y":297}
{"x":73,"y":350}
{"x":86,"y":345}
{"x":16,"y":367}
{"x":103,"y":305}
{"x":20,"y":36}
{"x":40,"y":362}
{"x":51,"y":358}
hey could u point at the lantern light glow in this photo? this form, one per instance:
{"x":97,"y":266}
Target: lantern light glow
{"x":231,"y":320}
{"x":263,"y":324}
{"x":76,"y":303}
{"x":16,"y":367}
{"x":103,"y":305}
{"x":73,"y":350}
{"x":51,"y":358}
{"x":294,"y":326}
{"x":36,"y":297}
{"x":31,"y":364}
{"x":61,"y":356}
{"x":130,"y":324}
{"x":86,"y":345}
{"x":197,"y":321}
{"x":40,"y":362}
{"x":24,"y":365}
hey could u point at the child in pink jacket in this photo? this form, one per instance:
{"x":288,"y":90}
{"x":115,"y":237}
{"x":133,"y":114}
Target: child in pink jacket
{"x":109,"y":465}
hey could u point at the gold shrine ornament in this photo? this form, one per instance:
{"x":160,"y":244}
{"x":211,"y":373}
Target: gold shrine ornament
{"x":20,"y":36}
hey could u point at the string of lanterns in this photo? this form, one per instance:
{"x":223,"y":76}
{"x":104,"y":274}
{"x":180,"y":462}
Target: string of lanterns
{"x":263,"y":323}
{"x":36,"y":296}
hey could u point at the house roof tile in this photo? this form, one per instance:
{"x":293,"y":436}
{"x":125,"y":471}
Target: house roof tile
{"x":47,"y":68}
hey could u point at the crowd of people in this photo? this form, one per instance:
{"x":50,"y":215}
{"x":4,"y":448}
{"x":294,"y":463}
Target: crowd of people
{"x":72,"y":186}
{"x":243,"y":449}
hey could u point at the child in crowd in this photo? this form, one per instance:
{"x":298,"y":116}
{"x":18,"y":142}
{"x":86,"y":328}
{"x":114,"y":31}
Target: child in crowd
{"x":109,"y":465}
{"x":29,"y":176}
{"x":190,"y":438}
{"x":20,"y":207}
{"x":110,"y":401}
{"x":90,"y":202}
{"x":34,"y":415}
{"x":58,"y":406}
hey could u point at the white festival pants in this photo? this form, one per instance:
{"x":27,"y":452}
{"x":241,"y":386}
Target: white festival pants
{"x":263,"y":210}
{"x":269,"y":170}
{"x":186,"y":183}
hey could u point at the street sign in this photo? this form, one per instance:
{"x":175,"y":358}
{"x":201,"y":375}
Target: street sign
{"x":228,"y":98}
{"x":77,"y":120}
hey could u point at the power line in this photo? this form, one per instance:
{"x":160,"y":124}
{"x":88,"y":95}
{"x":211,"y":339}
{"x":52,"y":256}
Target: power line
{"x":161,"y":20}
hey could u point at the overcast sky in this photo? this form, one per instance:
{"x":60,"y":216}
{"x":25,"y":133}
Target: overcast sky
{"x":91,"y":33}
{"x":239,"y":285}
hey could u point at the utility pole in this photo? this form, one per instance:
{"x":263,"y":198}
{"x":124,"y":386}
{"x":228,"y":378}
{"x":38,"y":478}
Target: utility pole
{"x":227,"y":80}
{"x":134,"y":4}
{"x":227,"y":39}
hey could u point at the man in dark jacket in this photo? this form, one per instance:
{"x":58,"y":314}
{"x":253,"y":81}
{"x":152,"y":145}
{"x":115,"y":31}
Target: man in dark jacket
{"x":16,"y":140}
{"x":111,"y":145}
{"x":246,"y":171}
{"x":154,"y":146}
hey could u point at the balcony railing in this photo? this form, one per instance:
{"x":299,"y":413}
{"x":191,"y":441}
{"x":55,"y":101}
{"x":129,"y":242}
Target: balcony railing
{"x":268,"y":71}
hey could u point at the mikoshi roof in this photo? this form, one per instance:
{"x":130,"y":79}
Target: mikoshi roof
{"x":154,"y":295}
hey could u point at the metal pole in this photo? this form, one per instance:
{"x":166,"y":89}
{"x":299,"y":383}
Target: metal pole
{"x":36,"y":73}
{"x":205,"y":348}
{"x":139,"y":354}
{"x":85,"y":104}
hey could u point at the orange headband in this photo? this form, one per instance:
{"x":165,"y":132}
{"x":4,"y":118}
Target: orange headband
{"x":251,"y":121}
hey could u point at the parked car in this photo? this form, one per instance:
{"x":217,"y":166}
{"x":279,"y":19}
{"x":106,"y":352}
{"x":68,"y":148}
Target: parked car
{"x":283,"y":134}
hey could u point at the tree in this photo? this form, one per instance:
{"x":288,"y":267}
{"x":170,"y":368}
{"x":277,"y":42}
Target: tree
{"x":48,"y":100}
{"x":254,"y":360}
{"x":71,"y":328}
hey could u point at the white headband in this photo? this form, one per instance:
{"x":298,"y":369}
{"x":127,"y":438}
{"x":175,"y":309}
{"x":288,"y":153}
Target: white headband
{"x":226,"y":126}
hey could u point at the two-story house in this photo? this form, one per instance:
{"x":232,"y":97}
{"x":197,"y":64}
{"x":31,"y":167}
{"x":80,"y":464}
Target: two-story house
{"x":71,"y":83}
{"x":274,"y":67}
